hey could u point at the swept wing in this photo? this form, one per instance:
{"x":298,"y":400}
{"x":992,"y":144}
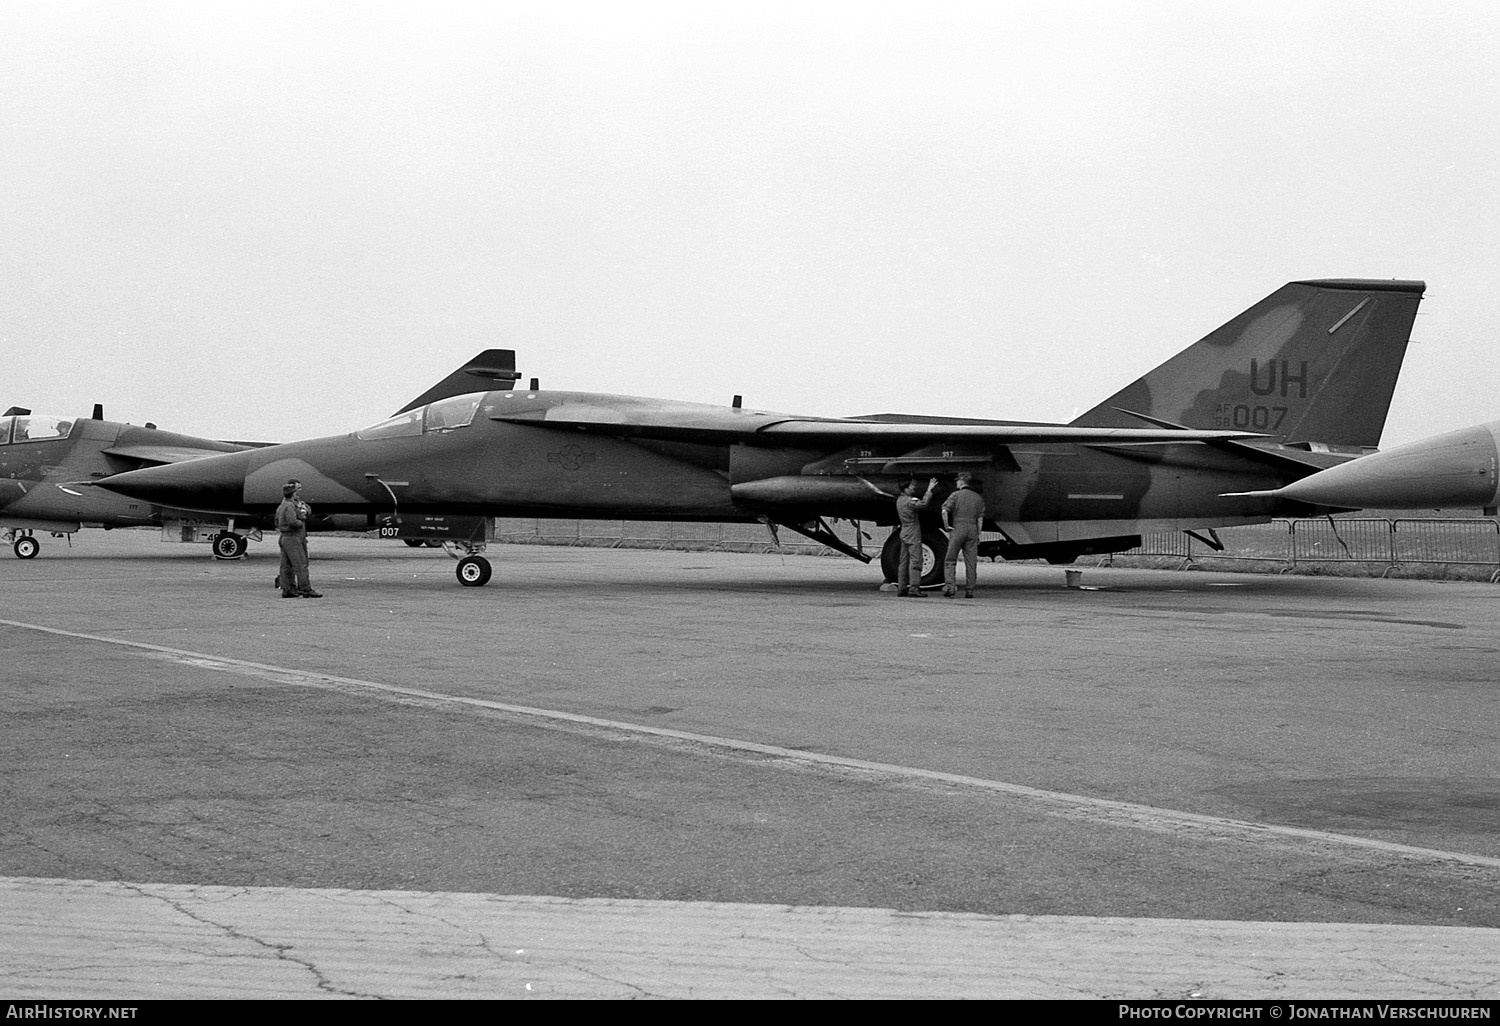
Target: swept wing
{"x":682,"y":422}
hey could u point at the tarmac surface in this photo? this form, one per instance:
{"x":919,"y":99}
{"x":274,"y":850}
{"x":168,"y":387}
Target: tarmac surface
{"x":696,"y":774}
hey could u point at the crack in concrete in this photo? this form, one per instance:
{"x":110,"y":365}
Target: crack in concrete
{"x":280,"y":952}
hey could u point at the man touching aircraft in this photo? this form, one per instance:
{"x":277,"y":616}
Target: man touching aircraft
{"x":908,"y":507}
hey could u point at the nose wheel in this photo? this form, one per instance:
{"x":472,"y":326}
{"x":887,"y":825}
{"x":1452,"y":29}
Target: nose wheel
{"x":473,"y":571}
{"x":26,"y":547}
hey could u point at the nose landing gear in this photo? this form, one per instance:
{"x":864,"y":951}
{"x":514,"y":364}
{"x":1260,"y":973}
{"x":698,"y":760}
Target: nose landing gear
{"x":473,"y":571}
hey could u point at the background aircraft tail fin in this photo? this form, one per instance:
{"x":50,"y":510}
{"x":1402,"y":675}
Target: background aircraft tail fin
{"x":1315,"y":361}
{"x":491,"y":369}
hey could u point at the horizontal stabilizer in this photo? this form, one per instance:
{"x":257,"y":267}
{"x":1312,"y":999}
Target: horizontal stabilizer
{"x":1279,"y":456}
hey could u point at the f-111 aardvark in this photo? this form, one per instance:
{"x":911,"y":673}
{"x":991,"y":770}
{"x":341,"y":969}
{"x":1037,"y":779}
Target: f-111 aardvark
{"x":1299,"y":382}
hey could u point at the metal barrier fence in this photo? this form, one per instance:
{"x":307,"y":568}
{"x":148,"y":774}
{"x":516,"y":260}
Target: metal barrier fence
{"x":1374,"y":540}
{"x":1393,"y":542}
{"x":1459,"y":541}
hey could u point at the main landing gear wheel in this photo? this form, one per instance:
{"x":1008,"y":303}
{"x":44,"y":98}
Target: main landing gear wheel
{"x":934,"y":548}
{"x":26,"y":547}
{"x":473,"y":571}
{"x":413,"y":543}
{"x":229,"y":545}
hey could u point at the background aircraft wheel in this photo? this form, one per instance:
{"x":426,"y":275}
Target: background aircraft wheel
{"x":934,"y":547}
{"x":26,"y":547}
{"x":413,"y":543}
{"x":229,"y":545}
{"x":473,"y":571}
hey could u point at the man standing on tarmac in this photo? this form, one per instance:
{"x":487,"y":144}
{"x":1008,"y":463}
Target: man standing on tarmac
{"x":291,"y":523}
{"x":909,"y":575}
{"x":963,"y":513}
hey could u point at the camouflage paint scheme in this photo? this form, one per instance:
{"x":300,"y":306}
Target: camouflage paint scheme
{"x":42,"y":477}
{"x":1299,"y":382}
{"x":47,"y":464}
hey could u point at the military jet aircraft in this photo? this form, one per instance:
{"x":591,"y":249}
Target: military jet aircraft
{"x":47,"y":464}
{"x":1449,"y":471}
{"x":1300,"y":381}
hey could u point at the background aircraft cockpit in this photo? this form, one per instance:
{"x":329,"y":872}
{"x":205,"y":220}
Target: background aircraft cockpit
{"x":443,"y":415}
{"x":33,"y":428}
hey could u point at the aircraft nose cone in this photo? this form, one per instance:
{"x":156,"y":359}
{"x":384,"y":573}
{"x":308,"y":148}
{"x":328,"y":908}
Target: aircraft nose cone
{"x":1455,"y":469}
{"x":212,"y":484}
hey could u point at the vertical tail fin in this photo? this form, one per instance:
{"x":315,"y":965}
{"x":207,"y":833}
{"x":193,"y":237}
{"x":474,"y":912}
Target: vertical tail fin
{"x":1315,"y":361}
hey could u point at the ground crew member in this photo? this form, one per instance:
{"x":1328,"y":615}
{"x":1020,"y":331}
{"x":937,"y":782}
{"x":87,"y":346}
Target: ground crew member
{"x":962,"y":513}
{"x":291,"y":523}
{"x":909,"y":574}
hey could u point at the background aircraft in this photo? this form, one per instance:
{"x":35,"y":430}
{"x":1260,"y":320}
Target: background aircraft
{"x":1299,"y":382}
{"x":47,"y":464}
{"x":1455,"y":470}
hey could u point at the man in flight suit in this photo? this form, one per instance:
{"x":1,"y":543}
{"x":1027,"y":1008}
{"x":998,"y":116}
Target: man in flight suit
{"x":962,"y":514}
{"x":909,"y":574}
{"x":291,"y":523}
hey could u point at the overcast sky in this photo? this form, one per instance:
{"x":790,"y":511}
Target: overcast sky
{"x":283,"y":220}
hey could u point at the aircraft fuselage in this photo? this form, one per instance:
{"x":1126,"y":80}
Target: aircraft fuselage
{"x":1038,"y":493}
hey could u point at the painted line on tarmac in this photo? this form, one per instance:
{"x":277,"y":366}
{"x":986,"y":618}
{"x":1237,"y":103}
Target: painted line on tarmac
{"x":1061,"y":803}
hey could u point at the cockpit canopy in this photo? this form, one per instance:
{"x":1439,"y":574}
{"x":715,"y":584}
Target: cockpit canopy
{"x":443,"y":415}
{"x":33,"y":428}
